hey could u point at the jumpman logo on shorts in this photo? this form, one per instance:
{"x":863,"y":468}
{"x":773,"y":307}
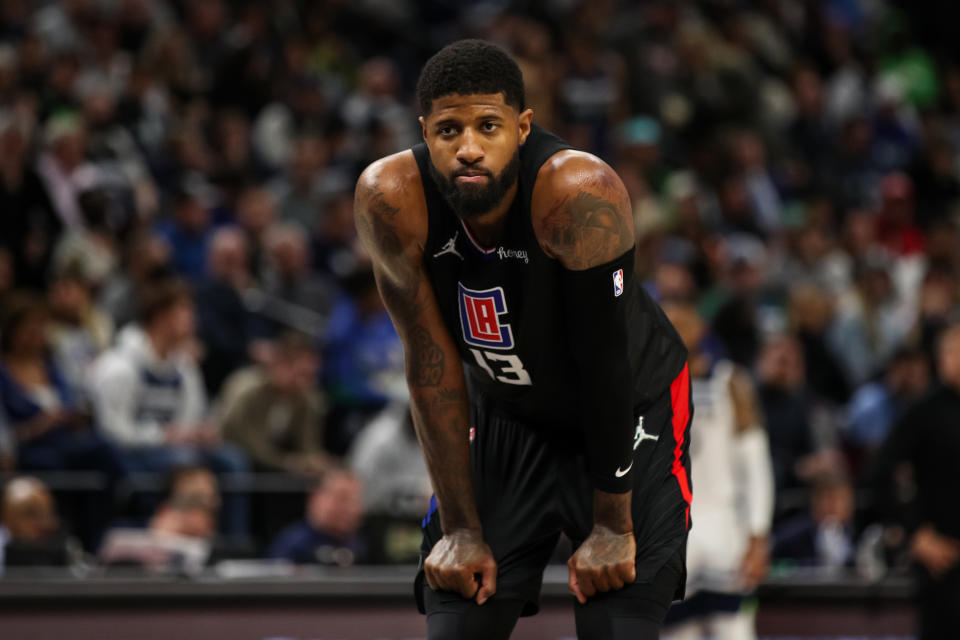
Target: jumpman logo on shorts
{"x":642,"y":435}
{"x":450,"y":247}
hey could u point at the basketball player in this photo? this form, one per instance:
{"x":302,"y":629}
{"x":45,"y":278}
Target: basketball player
{"x":549,"y":392}
{"x":729,"y":552}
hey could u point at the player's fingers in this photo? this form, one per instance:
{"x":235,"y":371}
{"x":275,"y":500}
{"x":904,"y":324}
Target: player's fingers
{"x":488,"y":581}
{"x":627,"y":571}
{"x":574,"y":586}
{"x":614,"y":579}
{"x":463,"y":582}
{"x":430,"y":573}
{"x":601,"y":580}
{"x":440,"y":577}
{"x":585,"y":581}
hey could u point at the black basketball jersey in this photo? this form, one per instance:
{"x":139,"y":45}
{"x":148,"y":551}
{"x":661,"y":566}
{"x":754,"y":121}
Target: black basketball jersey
{"x":503,"y":306}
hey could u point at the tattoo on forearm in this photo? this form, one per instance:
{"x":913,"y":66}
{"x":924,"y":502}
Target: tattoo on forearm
{"x":587,"y":230}
{"x":447,"y":400}
{"x":425,"y":362}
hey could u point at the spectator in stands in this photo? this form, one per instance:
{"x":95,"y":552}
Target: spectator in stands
{"x":145,"y":257}
{"x":736,"y":323}
{"x":28,"y":225}
{"x":872,"y":323}
{"x":30,"y":532}
{"x":62,"y":167}
{"x":79,"y":330}
{"x":297,"y":190}
{"x":148,"y":396}
{"x":362,"y":359}
{"x":376,"y":106}
{"x":91,"y":248}
{"x":329,"y":535}
{"x":255,"y":214}
{"x":939,"y":299}
{"x":897,"y":229}
{"x":386,"y":456}
{"x":878,"y":404}
{"x":786,"y":405}
{"x":112,"y":146}
{"x":824,"y":537}
{"x":333,"y":243}
{"x":917,"y":477}
{"x":180,"y":534}
{"x":188,"y":231}
{"x":937,"y":184}
{"x":275,"y":412}
{"x":296,"y":296}
{"x":223,"y":323}
{"x":197,"y":485}
{"x":51,"y":430}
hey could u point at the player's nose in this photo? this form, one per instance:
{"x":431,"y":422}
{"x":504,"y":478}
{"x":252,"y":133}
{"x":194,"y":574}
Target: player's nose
{"x":469,"y":151}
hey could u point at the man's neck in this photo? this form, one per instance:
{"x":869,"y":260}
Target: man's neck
{"x":488,"y":227}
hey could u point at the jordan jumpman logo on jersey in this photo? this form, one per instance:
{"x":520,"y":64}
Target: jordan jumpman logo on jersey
{"x":450,"y":247}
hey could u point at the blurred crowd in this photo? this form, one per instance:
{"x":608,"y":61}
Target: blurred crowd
{"x":182,"y":295}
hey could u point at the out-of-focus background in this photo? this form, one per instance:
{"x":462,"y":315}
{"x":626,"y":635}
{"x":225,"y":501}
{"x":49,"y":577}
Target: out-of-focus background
{"x":197,"y":373}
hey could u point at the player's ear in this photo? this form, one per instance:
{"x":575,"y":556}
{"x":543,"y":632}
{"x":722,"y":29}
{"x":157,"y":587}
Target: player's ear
{"x":523,"y":121}
{"x":423,"y":127}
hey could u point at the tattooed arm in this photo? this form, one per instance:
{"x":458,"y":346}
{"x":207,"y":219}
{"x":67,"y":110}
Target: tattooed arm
{"x":582,"y":218}
{"x":391,"y":218}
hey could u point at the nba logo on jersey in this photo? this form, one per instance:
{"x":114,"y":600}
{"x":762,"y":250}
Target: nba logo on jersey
{"x":480,"y":313}
{"x":617,"y":283}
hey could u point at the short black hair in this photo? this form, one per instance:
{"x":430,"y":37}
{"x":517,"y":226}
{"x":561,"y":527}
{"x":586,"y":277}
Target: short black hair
{"x":469,"y":67}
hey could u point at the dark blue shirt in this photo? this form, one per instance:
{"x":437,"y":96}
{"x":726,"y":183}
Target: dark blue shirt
{"x":302,"y":544}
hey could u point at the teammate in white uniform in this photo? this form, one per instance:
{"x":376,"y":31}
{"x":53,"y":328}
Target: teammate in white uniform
{"x":728,"y":547}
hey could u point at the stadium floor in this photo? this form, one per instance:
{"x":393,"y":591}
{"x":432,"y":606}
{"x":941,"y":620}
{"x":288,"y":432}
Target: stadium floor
{"x":393,"y":622}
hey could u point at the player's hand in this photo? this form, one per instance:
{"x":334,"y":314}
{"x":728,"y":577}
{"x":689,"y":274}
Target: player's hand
{"x":461,"y":561}
{"x":938,"y":553}
{"x":456,"y":562}
{"x":606,"y":561}
{"x":755,"y":562}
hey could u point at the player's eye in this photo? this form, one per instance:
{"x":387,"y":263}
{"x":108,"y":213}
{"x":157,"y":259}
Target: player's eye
{"x":489,"y":126}
{"x":446,"y":131}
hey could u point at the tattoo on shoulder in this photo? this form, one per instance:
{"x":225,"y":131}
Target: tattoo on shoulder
{"x":426,"y":359}
{"x":375,"y":219}
{"x":587,"y":230}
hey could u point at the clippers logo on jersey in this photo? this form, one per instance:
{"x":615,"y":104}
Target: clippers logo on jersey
{"x":480,"y":313}
{"x":617,"y":283}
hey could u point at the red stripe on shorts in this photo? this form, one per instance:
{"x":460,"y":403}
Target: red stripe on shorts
{"x":680,"y":401}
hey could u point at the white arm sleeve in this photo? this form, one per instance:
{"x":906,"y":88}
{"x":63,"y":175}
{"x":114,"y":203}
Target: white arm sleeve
{"x":114,"y":392}
{"x":756,"y":475}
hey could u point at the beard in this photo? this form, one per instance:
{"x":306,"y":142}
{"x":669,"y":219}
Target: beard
{"x":471,"y":200}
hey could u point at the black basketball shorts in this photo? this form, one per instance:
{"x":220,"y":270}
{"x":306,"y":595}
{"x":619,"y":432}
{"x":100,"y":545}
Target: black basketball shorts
{"x":529,"y":488}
